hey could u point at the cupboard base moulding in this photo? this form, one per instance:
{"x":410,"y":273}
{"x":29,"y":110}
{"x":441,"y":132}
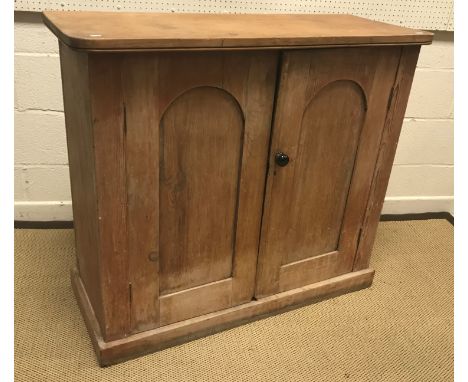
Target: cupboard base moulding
{"x":112,"y":352}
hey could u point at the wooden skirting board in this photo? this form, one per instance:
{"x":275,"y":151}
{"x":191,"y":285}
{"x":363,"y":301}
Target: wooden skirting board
{"x":138,"y":344}
{"x":21,"y":224}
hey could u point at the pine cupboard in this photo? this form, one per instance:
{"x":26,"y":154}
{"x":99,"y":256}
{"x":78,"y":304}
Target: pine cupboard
{"x":224,"y":167}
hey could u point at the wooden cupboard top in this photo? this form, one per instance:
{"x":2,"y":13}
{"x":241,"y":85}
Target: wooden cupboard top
{"x":132,"y":31}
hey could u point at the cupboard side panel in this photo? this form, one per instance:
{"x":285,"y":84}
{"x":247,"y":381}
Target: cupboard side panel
{"x":140,"y":80}
{"x":388,"y":145}
{"x":80,"y":143}
{"x":110,"y":162}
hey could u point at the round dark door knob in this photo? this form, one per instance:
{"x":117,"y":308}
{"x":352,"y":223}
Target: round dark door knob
{"x":281,"y":159}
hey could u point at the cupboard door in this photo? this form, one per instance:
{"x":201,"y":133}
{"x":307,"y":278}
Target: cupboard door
{"x":197,"y":133}
{"x":329,"y":118}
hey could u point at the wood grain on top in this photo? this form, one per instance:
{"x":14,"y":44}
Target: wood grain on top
{"x":128,"y":31}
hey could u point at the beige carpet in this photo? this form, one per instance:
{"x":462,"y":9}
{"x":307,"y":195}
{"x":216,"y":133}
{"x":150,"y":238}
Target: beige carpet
{"x":400,"y":329}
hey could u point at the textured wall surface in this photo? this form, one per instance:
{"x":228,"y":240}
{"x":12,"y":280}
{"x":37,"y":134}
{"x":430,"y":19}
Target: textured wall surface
{"x":421,"y":181}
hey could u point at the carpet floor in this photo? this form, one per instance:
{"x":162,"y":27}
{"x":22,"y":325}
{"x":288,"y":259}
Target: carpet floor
{"x":400,"y":329}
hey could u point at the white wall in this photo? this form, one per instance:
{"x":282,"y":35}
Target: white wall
{"x":421,"y":181}
{"x":422,"y":175}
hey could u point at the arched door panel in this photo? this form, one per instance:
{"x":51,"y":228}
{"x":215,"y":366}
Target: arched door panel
{"x":328,"y":121}
{"x":197,"y":133}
